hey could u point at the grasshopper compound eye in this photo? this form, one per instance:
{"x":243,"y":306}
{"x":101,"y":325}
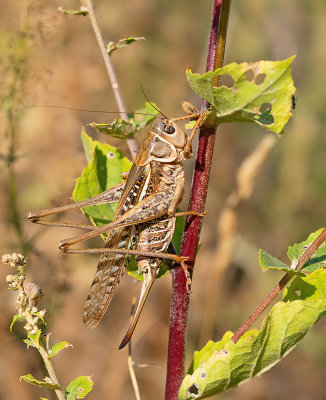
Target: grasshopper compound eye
{"x":169,"y":129}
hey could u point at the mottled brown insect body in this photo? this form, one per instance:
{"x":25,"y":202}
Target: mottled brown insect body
{"x":144,"y":221}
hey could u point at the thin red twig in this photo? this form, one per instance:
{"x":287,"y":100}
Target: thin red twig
{"x":180,"y":296}
{"x":280,"y":285}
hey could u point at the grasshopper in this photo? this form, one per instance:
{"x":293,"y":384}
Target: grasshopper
{"x":144,"y":221}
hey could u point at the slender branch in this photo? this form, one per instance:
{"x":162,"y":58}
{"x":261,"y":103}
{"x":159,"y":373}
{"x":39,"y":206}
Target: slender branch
{"x":274,"y":292}
{"x":112,"y":75}
{"x":180,"y":296}
{"x":130,"y":361}
{"x":50,"y":369}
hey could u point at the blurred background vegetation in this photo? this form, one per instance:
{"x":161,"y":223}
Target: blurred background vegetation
{"x":51,"y":59}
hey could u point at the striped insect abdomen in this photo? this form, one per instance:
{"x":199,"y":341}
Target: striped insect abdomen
{"x":154,"y":236}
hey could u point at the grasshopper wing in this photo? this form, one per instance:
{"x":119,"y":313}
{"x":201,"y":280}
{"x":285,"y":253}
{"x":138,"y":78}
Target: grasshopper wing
{"x":112,"y":265}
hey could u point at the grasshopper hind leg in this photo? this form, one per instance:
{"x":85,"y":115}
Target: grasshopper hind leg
{"x":149,"y":278}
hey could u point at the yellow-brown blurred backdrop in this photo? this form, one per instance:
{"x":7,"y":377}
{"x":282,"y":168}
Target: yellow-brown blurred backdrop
{"x":64,"y":67}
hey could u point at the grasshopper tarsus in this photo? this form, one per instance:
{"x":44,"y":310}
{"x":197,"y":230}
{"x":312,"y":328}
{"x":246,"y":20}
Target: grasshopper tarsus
{"x":184,"y":266}
{"x":205,"y":213}
{"x":63,"y":246}
{"x":33,"y":217}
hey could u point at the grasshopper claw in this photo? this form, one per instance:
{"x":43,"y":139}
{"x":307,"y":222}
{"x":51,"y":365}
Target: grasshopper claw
{"x":63,"y":245}
{"x":32,"y":217}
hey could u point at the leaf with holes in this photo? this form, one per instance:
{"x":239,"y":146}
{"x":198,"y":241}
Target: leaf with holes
{"x":261,"y":92}
{"x":125,"y":129}
{"x":103,"y":171}
{"x":79,"y":388}
{"x":223,"y":365}
{"x":309,"y":287}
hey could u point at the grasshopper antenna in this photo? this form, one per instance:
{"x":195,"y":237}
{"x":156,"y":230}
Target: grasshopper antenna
{"x":142,"y":89}
{"x":85,"y":110}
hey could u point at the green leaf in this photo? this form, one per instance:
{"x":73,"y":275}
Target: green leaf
{"x":261,"y":92}
{"x":15,"y":318}
{"x":294,"y":253}
{"x":268,"y":261}
{"x":125,"y":129}
{"x":102,"y":173}
{"x":221,"y":366}
{"x":119,"y":128}
{"x":144,"y":116}
{"x":30,"y":379}
{"x":33,"y":339}
{"x":37,"y":314}
{"x":309,"y":287}
{"x":57,"y":348}
{"x":82,"y":11}
{"x":88,"y":144}
{"x":318,"y":260}
{"x":204,"y":354}
{"x":79,"y":388}
{"x":112,"y":46}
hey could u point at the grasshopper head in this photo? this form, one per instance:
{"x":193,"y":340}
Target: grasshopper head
{"x":164,"y":142}
{"x":171,"y":132}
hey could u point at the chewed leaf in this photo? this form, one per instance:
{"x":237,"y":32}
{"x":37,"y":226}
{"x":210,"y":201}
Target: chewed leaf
{"x":260,"y":92}
{"x":310,"y":287}
{"x":46,"y":383}
{"x":119,"y":128}
{"x":223,"y":365}
{"x":126,"y":129}
{"x":205,"y":353}
{"x":79,"y":388}
{"x":267,"y":261}
{"x":103,"y":172}
{"x":318,"y":260}
{"x":112,"y":46}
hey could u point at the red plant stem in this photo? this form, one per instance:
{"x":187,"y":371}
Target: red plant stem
{"x":280,"y":285}
{"x":180,"y":296}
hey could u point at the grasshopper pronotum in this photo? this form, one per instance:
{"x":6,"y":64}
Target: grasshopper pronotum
{"x":144,"y":221}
